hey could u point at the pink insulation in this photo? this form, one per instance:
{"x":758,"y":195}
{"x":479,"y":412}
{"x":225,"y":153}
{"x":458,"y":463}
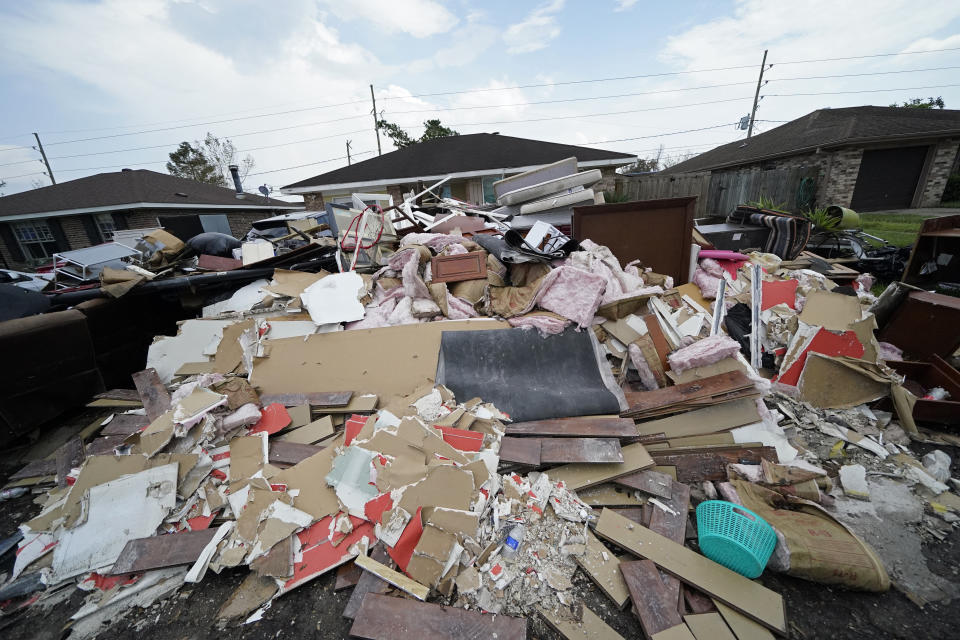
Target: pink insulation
{"x":454,"y":249}
{"x":889,"y":351}
{"x":707,"y":283}
{"x":712,"y":267}
{"x":647,"y":379}
{"x":459,"y":309}
{"x":436,"y":241}
{"x":413,"y":284}
{"x":546,"y":325}
{"x":572,"y":293}
{"x":703,"y":352}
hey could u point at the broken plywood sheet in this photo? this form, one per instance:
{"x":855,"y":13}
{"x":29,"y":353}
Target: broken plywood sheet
{"x":156,"y":552}
{"x":833,"y":311}
{"x":141,"y":501}
{"x":194,"y":337}
{"x":840,"y":382}
{"x":525,"y":451}
{"x":386,"y":618}
{"x":699,"y":373}
{"x":587,"y":427}
{"x":581,"y":476}
{"x":721,"y":417}
{"x":323,"y":360}
{"x":444,"y":486}
{"x":310,"y":433}
{"x":750,"y":598}
{"x":585,"y":450}
{"x":153,"y":395}
{"x":589,"y":627}
{"x":395,"y":578}
{"x":743,"y":627}
{"x":319,"y":400}
{"x":653,"y":603}
{"x":609,"y":495}
{"x":649,"y":481}
{"x":314,"y":497}
{"x":603,"y":568}
{"x":708,"y":626}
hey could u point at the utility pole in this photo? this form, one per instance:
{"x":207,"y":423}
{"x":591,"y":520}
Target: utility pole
{"x":45,"y":161}
{"x":348,"y":151}
{"x":756,"y":96}
{"x":376,"y":128}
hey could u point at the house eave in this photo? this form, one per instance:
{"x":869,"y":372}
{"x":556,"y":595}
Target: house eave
{"x":145,"y":205}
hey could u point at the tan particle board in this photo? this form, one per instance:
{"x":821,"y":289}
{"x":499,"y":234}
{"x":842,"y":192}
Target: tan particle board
{"x":395,"y":578}
{"x":750,"y":598}
{"x":310,"y":433}
{"x":708,"y":626}
{"x":719,"y":417}
{"x":605,"y":572}
{"x":679,"y":632}
{"x":590,"y":626}
{"x":583,"y":475}
{"x":743,"y":627}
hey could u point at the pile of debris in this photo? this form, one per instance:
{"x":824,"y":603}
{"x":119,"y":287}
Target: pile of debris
{"x":482,"y":415}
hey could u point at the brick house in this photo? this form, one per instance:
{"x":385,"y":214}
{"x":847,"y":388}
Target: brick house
{"x":473,"y":161}
{"x":866,"y":158}
{"x":86,"y":211}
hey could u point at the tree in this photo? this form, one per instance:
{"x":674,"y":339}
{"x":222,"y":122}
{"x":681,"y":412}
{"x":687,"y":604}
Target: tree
{"x":920,"y":103}
{"x":401,"y":139}
{"x":208,"y":161}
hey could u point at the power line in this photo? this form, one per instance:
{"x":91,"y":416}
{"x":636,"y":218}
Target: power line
{"x":836,"y":93}
{"x":853,"y":75}
{"x":875,"y":55}
{"x":661,"y":135}
{"x":309,"y":164}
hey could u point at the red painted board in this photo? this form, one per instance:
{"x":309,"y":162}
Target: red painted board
{"x":322,"y":557}
{"x":778,"y":292}
{"x":374,"y":508}
{"x":403,"y":550}
{"x":462,"y":439}
{"x":273,"y":418}
{"x":827,"y":343}
{"x":353,"y":427}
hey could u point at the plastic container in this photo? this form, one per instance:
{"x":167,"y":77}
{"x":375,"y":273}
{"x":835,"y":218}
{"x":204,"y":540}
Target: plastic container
{"x":512,"y":543}
{"x":735,"y":537}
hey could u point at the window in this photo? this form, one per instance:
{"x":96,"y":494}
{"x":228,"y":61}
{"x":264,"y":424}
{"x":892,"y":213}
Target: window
{"x":105,"y":226}
{"x":488,"y":195}
{"x":35,"y":239}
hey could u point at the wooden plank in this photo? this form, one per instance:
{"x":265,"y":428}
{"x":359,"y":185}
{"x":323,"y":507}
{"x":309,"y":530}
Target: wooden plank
{"x":104,"y":446}
{"x":309,"y":433}
{"x":348,"y":575}
{"x":603,"y":568}
{"x":318,"y":398}
{"x":69,"y":456}
{"x":364,"y":403}
{"x":680,"y":395}
{"x":672,"y":525}
{"x":386,"y":618}
{"x":130,"y":395}
{"x":581,"y":476}
{"x":290,"y":452}
{"x":748,"y":597}
{"x":36,"y":468}
{"x":589,"y":627}
{"x":575,"y":427}
{"x":708,"y":626}
{"x":679,"y":632}
{"x":696,"y":601}
{"x":153,"y":395}
{"x":395,"y":578}
{"x":157,"y":552}
{"x":743,"y":627}
{"x":124,"y":424}
{"x":652,"y":603}
{"x":456,"y":268}
{"x":640,"y":515}
{"x":217,"y":263}
{"x":609,"y":495}
{"x":721,"y":417}
{"x":697,"y":466}
{"x":586,"y":450}
{"x":368,"y":583}
{"x":111,"y":402}
{"x":520,"y":450}
{"x":648,"y":481}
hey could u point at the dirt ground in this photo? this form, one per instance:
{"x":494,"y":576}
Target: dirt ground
{"x":314,"y":610}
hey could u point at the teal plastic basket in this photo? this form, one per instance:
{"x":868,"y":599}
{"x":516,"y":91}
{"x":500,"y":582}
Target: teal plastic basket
{"x":735,"y":537}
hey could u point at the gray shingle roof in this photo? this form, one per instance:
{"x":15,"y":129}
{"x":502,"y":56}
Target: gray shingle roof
{"x":456,"y":154}
{"x":124,"y":188}
{"x":826,"y":128}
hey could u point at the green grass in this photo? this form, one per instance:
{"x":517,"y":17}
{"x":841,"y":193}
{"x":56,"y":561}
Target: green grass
{"x":897,"y":229}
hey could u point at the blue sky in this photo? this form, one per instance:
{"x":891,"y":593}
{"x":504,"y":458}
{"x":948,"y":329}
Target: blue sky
{"x":119,"y":83}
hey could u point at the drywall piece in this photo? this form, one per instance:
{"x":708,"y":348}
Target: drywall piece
{"x":291,"y":284}
{"x":140,"y":501}
{"x":199,"y":568}
{"x":708,"y":626}
{"x":335,"y":298}
{"x":194,"y":338}
{"x":853,"y":479}
{"x":311,"y":433}
{"x":341,"y":360}
{"x":255,"y":251}
{"x":841,"y":383}
{"x":322,"y":401}
{"x":585,"y":450}
{"x":243,"y":299}
{"x":579,"y":427}
{"x":248,"y":455}
{"x":559,"y":169}
{"x":386,"y":618}
{"x":748,"y":597}
{"x":721,"y":417}
{"x":320,"y":556}
{"x":833,"y":311}
{"x":581,"y":476}
{"x":652,"y":602}
{"x":743,"y":627}
{"x":459,"y":267}
{"x":350,"y":477}
{"x":548,"y":187}
{"x":153,"y":395}
{"x":583,"y":196}
{"x":395,"y":578}
{"x":603,"y":568}
{"x":590,"y":627}
{"x":157,"y":552}
{"x":445,"y":486}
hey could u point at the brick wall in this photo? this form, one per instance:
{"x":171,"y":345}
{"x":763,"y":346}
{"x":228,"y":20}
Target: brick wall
{"x":314,"y":201}
{"x":240,"y":223}
{"x":141,"y":219}
{"x":75,"y":231}
{"x":8,"y":258}
{"x":841,"y":177}
{"x":944,"y":158}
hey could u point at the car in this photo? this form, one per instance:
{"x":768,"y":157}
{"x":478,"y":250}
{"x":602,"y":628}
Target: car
{"x":31,"y":281}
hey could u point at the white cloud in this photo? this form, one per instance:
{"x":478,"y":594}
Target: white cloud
{"x":466,"y":45}
{"x":418,"y":18}
{"x":932,"y":44}
{"x":623,"y":5}
{"x":536,"y":30}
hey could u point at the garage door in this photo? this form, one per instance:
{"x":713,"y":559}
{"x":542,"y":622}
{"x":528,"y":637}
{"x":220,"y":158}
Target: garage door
{"x":888,"y":178}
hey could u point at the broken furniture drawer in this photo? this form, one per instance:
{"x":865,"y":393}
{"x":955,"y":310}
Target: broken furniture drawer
{"x":734,"y":237}
{"x":927,"y":375}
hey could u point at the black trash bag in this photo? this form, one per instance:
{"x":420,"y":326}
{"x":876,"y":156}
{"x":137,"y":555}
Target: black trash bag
{"x":738,"y":325}
{"x":214,"y":244}
{"x":16,"y":302}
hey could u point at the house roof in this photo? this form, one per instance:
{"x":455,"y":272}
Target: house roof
{"x":462,"y":156}
{"x":129,"y":189}
{"x":827,"y":128}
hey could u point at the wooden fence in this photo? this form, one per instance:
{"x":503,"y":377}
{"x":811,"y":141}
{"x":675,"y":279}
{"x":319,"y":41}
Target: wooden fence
{"x":718,"y":193}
